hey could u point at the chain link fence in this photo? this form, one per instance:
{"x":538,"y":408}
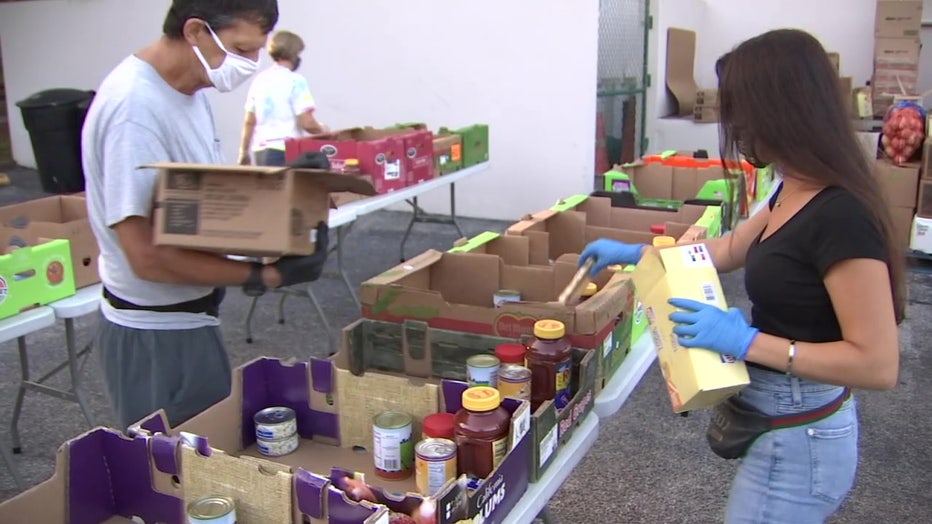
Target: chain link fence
{"x":622,"y":82}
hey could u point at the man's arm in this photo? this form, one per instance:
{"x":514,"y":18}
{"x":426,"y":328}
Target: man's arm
{"x":249,"y":129}
{"x":171,"y":265}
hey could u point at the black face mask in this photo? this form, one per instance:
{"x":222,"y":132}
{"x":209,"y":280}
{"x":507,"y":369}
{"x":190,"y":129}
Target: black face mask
{"x":749,"y":155}
{"x":297,"y":64}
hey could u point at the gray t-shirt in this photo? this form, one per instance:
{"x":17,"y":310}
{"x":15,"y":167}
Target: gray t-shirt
{"x":137,"y":119}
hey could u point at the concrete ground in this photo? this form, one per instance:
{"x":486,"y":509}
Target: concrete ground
{"x":648,"y":466}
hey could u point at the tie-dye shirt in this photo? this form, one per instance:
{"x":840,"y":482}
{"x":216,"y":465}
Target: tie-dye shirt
{"x":277,"y":96}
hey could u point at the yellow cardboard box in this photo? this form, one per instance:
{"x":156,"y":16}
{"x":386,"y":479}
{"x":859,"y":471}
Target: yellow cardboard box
{"x":696,"y":378}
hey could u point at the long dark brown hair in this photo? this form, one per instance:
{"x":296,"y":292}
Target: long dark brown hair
{"x":780,"y":96}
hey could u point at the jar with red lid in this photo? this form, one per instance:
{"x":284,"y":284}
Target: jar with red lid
{"x":481,"y":432}
{"x":438,"y":425}
{"x":550,"y":358}
{"x":511,"y":353}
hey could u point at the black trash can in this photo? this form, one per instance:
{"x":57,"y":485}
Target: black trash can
{"x":54,"y":119}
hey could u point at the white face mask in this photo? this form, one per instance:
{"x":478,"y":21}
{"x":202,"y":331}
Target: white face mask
{"x":232,"y":72}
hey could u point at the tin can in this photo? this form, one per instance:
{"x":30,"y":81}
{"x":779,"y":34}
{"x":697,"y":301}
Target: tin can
{"x":212,"y":510}
{"x":277,"y":447}
{"x":434,"y":464}
{"x":503,"y":296}
{"x":482,"y":370}
{"x":275,"y":423}
{"x":393,"y":449}
{"x":514,"y":381}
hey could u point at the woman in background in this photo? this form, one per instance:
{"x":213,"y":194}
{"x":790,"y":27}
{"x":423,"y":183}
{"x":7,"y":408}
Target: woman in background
{"x":823,"y":273}
{"x":279,"y":105}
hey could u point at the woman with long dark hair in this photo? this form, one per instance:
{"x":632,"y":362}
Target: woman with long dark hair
{"x":824,"y":276}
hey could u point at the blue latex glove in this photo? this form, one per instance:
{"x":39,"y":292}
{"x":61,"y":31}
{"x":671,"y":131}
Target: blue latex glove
{"x":706,"y":326}
{"x":610,"y":252}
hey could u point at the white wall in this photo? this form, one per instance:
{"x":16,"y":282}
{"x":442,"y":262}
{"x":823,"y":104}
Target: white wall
{"x":843,"y":26}
{"x":525,"y":67}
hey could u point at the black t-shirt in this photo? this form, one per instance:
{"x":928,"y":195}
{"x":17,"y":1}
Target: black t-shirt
{"x":784,"y":273}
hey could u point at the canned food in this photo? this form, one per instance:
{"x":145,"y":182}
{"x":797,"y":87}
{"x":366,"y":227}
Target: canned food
{"x":514,"y":382}
{"x":482,"y":370}
{"x":277,"y":447}
{"x":275,"y":423}
{"x":504,"y":296}
{"x":212,"y":510}
{"x":392,"y":447}
{"x":435,"y":464}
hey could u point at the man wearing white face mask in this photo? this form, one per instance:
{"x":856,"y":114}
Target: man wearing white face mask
{"x":159,"y":341}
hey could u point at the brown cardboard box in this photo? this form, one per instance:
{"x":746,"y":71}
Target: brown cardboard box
{"x":31,"y":223}
{"x":835,"y":60}
{"x":924,"y":201}
{"x":706,"y":114}
{"x":926,"y":171}
{"x":454,"y":291}
{"x":663,"y":181}
{"x":896,"y":71}
{"x":898,"y":18}
{"x":902,"y":223}
{"x":246,"y":210}
{"x":847,"y":92}
{"x":899,"y":183}
{"x":707,"y":97}
{"x":554,"y":233}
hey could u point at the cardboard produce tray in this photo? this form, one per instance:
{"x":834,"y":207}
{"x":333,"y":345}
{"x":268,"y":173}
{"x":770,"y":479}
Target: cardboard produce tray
{"x":417,"y":350}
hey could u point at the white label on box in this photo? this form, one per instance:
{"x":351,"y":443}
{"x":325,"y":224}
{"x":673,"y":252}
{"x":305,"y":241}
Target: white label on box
{"x":521,"y":426}
{"x":608,"y":345}
{"x":709,"y":294}
{"x":548,"y":445}
{"x":393,"y":170}
{"x":697,"y":256}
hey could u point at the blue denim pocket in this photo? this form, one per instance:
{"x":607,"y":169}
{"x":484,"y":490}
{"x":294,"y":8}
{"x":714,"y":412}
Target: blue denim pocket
{"x":834,"y":456}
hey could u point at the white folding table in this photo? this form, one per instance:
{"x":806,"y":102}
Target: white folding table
{"x":341,"y":220}
{"x":85,"y":302}
{"x":17,"y":327}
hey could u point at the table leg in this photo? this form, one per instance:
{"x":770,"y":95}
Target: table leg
{"x":281,"y":308}
{"x":453,"y":210}
{"x":341,"y":237}
{"x":73,"y":370}
{"x":20,"y":395}
{"x":11,"y":467}
{"x":415,"y":217}
{"x":545,"y":517}
{"x":252,"y":309}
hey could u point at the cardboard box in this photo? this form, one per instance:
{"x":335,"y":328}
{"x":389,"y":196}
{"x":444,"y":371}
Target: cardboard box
{"x":615,"y":345}
{"x":899,"y":184}
{"x":419,"y":151}
{"x":334,"y":411}
{"x":896,"y":71}
{"x":455,"y":291}
{"x":30,"y":223}
{"x":475,"y":143}
{"x":924,"y":201}
{"x":846,"y":84}
{"x":417,"y":350}
{"x":245,"y":210}
{"x":35,"y":276}
{"x":571,"y":226}
{"x":448,"y":153}
{"x":696,"y":378}
{"x":707,"y":97}
{"x":926,"y":171}
{"x":706,"y":114}
{"x":902,"y":224}
{"x":835,"y":60}
{"x":921,"y":235}
{"x":380,"y":156}
{"x":898,"y":18}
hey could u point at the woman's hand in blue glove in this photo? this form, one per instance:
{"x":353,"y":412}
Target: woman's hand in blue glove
{"x":706,"y":326}
{"x":610,"y":252}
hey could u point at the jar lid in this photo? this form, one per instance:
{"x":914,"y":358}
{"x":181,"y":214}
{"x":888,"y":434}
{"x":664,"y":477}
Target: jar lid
{"x":481,"y":398}
{"x":664,"y":241}
{"x":438,"y":425}
{"x":591,"y":289}
{"x":549,"y":329}
{"x":511,"y":353}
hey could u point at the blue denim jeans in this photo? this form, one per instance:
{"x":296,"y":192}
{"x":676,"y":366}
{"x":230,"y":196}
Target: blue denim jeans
{"x":797,"y":475}
{"x":270,"y":157}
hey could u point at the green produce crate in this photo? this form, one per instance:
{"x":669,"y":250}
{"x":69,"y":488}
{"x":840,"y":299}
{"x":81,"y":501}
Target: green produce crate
{"x":475,"y":143}
{"x":417,"y":350}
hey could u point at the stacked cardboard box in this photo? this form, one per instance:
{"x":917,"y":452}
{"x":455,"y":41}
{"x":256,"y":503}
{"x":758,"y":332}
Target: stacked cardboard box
{"x":706,"y":109}
{"x":920,"y":238}
{"x":896,"y":51}
{"x":900,"y":187}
